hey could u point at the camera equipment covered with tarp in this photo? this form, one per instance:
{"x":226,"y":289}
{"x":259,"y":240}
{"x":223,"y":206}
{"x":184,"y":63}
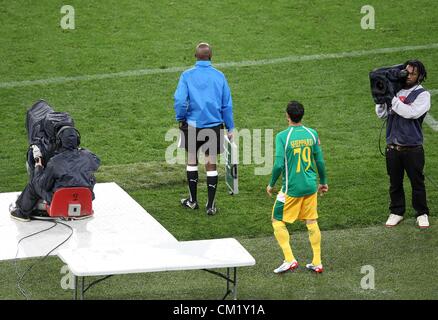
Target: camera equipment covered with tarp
{"x":386,"y":82}
{"x":42,"y":125}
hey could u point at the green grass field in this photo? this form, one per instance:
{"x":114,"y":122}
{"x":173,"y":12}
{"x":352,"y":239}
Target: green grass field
{"x":124,"y":120}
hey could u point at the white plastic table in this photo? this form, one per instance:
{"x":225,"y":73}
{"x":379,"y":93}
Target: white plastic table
{"x":186,"y":255}
{"x":120,"y":238}
{"x":118,"y":221}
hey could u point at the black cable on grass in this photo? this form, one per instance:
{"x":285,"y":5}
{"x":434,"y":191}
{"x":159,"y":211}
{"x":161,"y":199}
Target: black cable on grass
{"x":18,"y":249}
{"x":20,"y":278}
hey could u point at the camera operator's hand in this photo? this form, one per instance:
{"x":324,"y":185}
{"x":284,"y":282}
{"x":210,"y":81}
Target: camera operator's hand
{"x":36,"y":152}
{"x":183,"y":124}
{"x":230,"y":135}
{"x":38,"y":162}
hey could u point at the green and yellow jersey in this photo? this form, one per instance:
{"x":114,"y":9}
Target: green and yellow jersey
{"x":299,"y":160}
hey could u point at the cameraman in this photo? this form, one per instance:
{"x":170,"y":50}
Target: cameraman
{"x":70,"y":167}
{"x":404,"y":137}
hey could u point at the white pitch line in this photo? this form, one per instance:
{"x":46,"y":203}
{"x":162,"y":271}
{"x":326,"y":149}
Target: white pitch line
{"x":288,"y":59}
{"x":430,"y":121}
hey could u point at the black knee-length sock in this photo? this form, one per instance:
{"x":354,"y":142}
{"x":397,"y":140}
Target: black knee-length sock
{"x":212,"y":179}
{"x":192,"y":179}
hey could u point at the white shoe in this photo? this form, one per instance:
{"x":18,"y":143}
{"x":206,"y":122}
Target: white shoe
{"x":393,"y":220}
{"x":423,"y":221}
{"x":287,"y":266}
{"x":317,"y":269}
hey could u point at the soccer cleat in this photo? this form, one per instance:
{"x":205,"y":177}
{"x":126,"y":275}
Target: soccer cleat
{"x":393,"y":220}
{"x":287,"y":266}
{"x":18,"y":215}
{"x":212,"y":211}
{"x":188,"y":204}
{"x":317,"y":269}
{"x":423,"y":221}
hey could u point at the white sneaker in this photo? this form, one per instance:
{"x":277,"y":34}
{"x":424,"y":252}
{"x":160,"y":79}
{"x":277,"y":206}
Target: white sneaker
{"x":393,"y":220}
{"x":317,"y":269}
{"x":423,"y":221}
{"x":287,"y":266}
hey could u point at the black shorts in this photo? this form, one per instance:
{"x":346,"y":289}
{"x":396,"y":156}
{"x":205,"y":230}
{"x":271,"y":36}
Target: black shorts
{"x":208,"y":140}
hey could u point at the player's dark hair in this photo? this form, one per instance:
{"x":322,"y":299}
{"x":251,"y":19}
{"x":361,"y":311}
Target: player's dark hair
{"x":295,"y":110}
{"x":417,"y":64}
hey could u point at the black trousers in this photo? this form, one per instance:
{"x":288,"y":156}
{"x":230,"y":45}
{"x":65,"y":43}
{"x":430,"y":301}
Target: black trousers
{"x":29,"y":198}
{"x":410,"y":160}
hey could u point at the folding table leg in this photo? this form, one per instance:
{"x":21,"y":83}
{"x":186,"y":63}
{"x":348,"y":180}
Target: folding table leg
{"x":82,"y":288}
{"x":228,"y":280}
{"x":75,"y":284}
{"x":227,"y":277}
{"x":235,"y":284}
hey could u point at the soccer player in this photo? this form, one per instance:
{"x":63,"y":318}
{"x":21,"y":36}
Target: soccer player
{"x":299,"y":160}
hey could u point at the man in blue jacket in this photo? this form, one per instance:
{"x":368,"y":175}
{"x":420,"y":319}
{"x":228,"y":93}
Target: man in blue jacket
{"x":202,"y":105}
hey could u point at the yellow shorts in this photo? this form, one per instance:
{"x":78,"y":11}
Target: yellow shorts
{"x":289,"y":209}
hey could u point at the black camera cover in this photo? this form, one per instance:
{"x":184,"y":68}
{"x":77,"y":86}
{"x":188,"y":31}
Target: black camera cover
{"x":386,"y":82}
{"x":42,"y":125}
{"x":34,"y":121}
